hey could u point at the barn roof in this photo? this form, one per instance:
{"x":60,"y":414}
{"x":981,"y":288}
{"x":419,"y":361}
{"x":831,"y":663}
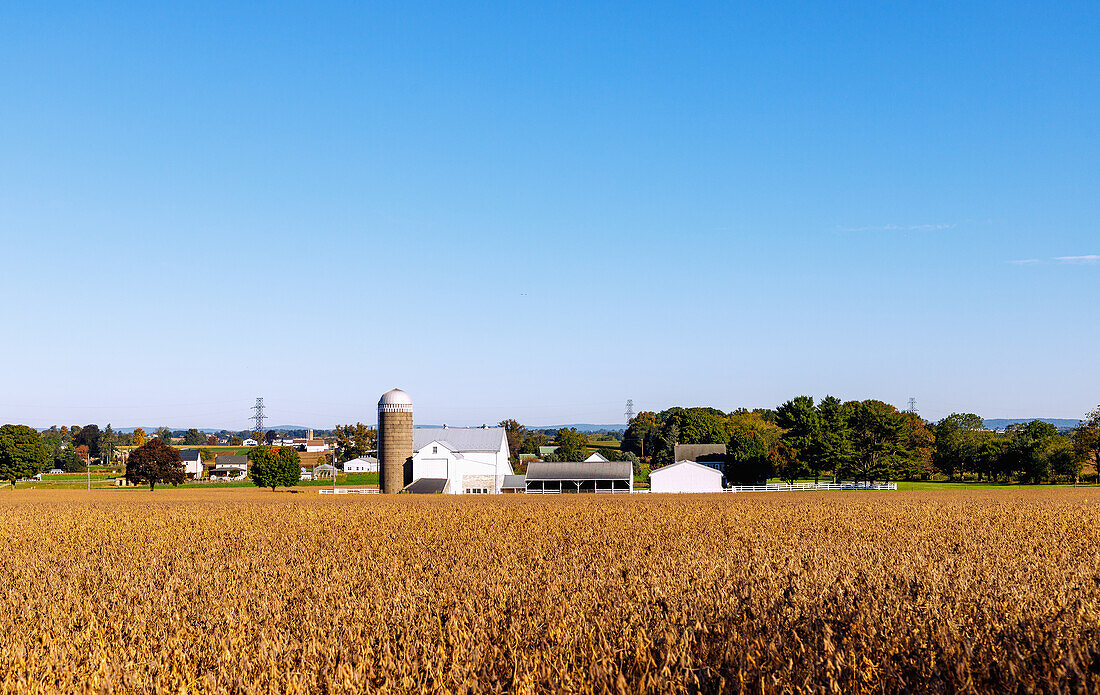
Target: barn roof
{"x":692,"y":452}
{"x":460,"y":439}
{"x":580,"y":470}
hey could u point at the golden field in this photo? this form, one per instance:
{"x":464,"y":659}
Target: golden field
{"x":248,"y":591}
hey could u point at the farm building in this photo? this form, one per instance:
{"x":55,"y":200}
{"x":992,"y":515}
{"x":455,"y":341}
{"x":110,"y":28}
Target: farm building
{"x":597,"y":457}
{"x":324,"y":472}
{"x":192,"y":463}
{"x":514,"y":483}
{"x":472,"y":460}
{"x":363,"y":464}
{"x":710,"y":455}
{"x":685,"y":476}
{"x":580,"y":476}
{"x":230,"y":466}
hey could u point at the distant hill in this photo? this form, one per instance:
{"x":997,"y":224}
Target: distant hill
{"x":580,"y":427}
{"x":1002,"y":422}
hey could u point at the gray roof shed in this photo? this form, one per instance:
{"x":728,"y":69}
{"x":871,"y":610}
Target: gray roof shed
{"x":580,"y":470}
{"x":460,"y":438}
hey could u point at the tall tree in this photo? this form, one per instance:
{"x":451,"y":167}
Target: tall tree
{"x":640,"y":433}
{"x":274,"y":467}
{"x":138,"y":437}
{"x":834,"y":449}
{"x":802,"y":438}
{"x":21,"y":453}
{"x":89,"y":436}
{"x":878,"y":440}
{"x":155,"y":462}
{"x":108,"y":442}
{"x":164,"y":434}
{"x":353,"y":441}
{"x":193,"y":437}
{"x":572,"y":445}
{"x":958,"y":443}
{"x":1028,"y":450}
{"x":1086,"y":440}
{"x":515,"y":433}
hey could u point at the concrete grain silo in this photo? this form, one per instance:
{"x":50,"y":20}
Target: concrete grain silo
{"x":395,"y":439}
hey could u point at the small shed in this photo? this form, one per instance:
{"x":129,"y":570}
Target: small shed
{"x":685,"y":476}
{"x":514,"y":484}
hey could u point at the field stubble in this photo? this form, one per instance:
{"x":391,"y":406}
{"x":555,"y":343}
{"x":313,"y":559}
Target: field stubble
{"x":248,"y":591}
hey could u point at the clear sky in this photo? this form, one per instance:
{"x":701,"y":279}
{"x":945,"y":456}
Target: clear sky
{"x":514,"y":210}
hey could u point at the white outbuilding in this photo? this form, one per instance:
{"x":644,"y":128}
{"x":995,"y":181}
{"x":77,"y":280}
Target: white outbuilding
{"x":685,"y":476}
{"x":363,"y":464}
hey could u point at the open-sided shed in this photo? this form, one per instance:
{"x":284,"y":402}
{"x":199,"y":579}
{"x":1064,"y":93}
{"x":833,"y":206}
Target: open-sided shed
{"x":580,"y":476}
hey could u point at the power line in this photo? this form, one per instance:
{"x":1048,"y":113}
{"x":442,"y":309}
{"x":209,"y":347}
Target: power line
{"x":258,"y":418}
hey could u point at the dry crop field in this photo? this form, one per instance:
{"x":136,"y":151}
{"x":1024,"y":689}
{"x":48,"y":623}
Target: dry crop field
{"x":246,"y":591}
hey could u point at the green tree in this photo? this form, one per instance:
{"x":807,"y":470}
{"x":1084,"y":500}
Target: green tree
{"x":89,"y":436}
{"x":274,"y":467}
{"x":515,"y":433}
{"x":1065,"y":460}
{"x":572,"y":445}
{"x":353,"y":441}
{"x":193,"y":437}
{"x":640,"y":432}
{"x":235,"y":441}
{"x":802,"y":438}
{"x":21,"y":453}
{"x":834,"y":449}
{"x":108,"y":441}
{"x":958,"y":443}
{"x":532,"y":441}
{"x":878,"y":440}
{"x":1086,"y":440}
{"x":70,"y":461}
{"x":155,"y":462}
{"x":164,"y":434}
{"x":1027,"y":453}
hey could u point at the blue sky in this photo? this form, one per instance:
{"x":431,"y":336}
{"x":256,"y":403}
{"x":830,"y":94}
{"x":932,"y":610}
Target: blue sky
{"x":539,"y":212}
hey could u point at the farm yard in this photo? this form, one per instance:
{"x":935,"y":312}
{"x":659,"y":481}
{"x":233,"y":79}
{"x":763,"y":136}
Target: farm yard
{"x":243,"y":590}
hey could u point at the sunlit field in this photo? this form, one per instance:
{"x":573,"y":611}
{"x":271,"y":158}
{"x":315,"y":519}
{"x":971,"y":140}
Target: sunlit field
{"x":249,"y":591}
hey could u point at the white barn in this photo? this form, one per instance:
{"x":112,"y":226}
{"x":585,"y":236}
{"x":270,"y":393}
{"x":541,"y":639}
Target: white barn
{"x":685,"y":476}
{"x":470,"y":460}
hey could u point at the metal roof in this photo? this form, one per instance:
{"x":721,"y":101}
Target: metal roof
{"x":426,"y":486}
{"x":692,"y":452}
{"x":460,"y":439}
{"x":512,"y":482}
{"x":189,"y":455}
{"x":580,"y":470}
{"x":226,"y":459}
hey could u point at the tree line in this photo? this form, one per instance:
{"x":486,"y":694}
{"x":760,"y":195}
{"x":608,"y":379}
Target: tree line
{"x":867,"y":440}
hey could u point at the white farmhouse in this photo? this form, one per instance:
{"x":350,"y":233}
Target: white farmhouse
{"x":192,"y":463}
{"x":685,"y":476}
{"x":466,"y":460}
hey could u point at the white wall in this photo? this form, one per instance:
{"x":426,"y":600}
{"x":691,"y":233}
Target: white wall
{"x":456,"y":468}
{"x":685,"y":477}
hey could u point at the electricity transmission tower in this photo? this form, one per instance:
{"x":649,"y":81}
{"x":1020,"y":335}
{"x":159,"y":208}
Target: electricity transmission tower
{"x":258,"y":418}
{"x":629,"y":410}
{"x":913,"y":405}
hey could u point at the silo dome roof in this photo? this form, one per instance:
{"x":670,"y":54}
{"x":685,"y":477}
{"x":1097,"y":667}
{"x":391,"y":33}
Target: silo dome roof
{"x":395,"y":397}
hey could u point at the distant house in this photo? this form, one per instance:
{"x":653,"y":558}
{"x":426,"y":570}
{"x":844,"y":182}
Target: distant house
{"x":580,"y":476}
{"x":470,"y":460}
{"x":363,"y":464}
{"x":305,"y":474}
{"x":685,"y":476}
{"x":230,"y":467}
{"x":251,"y":442}
{"x":545,"y":451}
{"x":597,"y":458}
{"x":192,"y":463}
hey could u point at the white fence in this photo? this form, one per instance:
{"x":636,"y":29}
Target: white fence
{"x":349,"y":491}
{"x":784,"y":487}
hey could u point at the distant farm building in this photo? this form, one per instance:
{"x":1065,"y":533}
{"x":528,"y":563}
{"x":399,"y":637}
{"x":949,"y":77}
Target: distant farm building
{"x":710,"y":455}
{"x":230,"y":466}
{"x":324,"y":472}
{"x":597,"y":458}
{"x":685,"y":476}
{"x":192,"y":462}
{"x":363,"y":464}
{"x":580,"y":476}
